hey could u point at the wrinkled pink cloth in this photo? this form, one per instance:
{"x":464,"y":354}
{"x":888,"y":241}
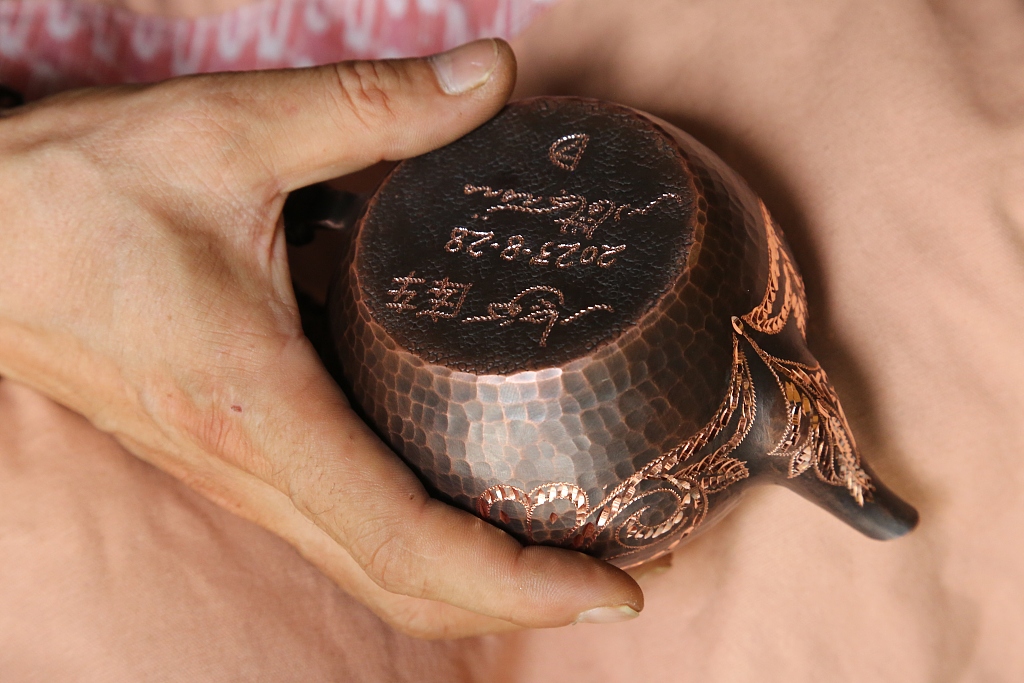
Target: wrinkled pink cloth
{"x":113,"y":571}
{"x":52,"y":45}
{"x":887,"y":137}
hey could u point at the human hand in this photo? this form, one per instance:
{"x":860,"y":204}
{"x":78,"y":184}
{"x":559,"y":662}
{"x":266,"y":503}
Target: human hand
{"x":146,"y":285}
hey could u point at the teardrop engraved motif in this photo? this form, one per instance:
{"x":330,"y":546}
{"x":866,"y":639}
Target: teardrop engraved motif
{"x":566,"y":151}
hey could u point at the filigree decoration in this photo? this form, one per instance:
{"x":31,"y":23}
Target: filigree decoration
{"x":535,"y":498}
{"x":764,"y":317}
{"x":690,"y":486}
{"x":740,"y":395}
{"x":817,"y":436}
{"x":687,"y":485}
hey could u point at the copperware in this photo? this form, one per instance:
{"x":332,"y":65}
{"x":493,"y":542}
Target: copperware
{"x":579,"y":324}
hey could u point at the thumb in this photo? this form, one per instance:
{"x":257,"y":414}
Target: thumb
{"x":310,"y":125}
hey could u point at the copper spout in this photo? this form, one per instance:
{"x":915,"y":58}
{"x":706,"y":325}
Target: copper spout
{"x":883,"y":516}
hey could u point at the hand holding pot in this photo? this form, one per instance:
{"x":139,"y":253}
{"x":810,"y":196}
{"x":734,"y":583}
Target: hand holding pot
{"x":146,"y":286}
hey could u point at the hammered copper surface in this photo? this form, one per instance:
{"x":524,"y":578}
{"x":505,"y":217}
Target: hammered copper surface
{"x":580,"y":324}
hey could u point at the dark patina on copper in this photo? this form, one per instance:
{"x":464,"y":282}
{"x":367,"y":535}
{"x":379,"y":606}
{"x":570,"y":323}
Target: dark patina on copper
{"x":578,"y":323}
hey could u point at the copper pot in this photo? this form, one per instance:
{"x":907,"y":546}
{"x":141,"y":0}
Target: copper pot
{"x":580,"y":324}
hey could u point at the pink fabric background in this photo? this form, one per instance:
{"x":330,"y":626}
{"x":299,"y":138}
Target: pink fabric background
{"x":113,"y":571}
{"x":887,"y":136}
{"x":51,"y":45}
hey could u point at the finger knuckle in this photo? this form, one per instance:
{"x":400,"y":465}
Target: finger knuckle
{"x":386,"y":560}
{"x":366,"y":89}
{"x":46,"y":170}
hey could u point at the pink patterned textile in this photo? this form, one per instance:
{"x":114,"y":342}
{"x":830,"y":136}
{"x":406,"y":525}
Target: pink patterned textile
{"x":54,"y":45}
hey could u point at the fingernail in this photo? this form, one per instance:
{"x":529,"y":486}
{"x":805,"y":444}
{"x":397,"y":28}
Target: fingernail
{"x":607,"y":615}
{"x":466,"y":67}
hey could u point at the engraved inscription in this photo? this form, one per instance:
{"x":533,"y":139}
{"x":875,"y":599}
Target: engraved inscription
{"x":514,"y":248}
{"x":542,"y":259}
{"x":553,"y":252}
{"x":537,"y":306}
{"x":403,"y":293}
{"x":566,"y":151}
{"x":627,"y":210}
{"x":584,"y":216}
{"x":458,"y":242}
{"x":446,"y":299}
{"x":528,"y":256}
{"x":568,"y":251}
{"x":585,"y":219}
{"x":607,"y":257}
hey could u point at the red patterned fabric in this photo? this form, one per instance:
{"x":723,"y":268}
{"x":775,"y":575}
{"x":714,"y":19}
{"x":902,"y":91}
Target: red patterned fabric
{"x":54,"y":45}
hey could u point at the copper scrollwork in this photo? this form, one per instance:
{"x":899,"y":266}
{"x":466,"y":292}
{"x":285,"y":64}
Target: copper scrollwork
{"x":816,"y":437}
